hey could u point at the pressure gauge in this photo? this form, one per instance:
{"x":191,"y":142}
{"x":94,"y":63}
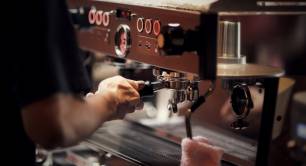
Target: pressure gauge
{"x":122,"y":40}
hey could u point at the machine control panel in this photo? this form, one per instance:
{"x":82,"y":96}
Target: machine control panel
{"x":132,"y":32}
{"x":145,"y":30}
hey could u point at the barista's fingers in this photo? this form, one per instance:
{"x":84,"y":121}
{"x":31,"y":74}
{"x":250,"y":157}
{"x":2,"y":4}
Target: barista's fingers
{"x":192,"y":149}
{"x":192,"y":144}
{"x":138,"y":85}
{"x":130,"y":109}
{"x":132,"y":83}
{"x":196,"y":153}
{"x":139,"y":106}
{"x":123,"y":110}
{"x":202,"y":139}
{"x":211,"y":147}
{"x":187,"y":146}
{"x":135,"y":101}
{"x":220,"y":151}
{"x":141,"y":84}
{"x":215,"y":152}
{"x":134,"y":97}
{"x":204,"y":142}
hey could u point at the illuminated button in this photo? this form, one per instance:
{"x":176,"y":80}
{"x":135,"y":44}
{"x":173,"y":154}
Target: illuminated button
{"x":160,"y":41}
{"x":92,"y":16}
{"x":139,"y":25}
{"x":156,"y":27}
{"x":106,"y":19}
{"x":99,"y":17}
{"x":123,"y":13}
{"x":148,"y":26}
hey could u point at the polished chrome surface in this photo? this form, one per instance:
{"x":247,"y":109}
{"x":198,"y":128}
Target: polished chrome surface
{"x":229,"y":41}
{"x":183,"y":86}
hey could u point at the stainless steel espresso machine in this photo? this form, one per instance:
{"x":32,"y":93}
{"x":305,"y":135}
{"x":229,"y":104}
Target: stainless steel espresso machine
{"x":199,"y":51}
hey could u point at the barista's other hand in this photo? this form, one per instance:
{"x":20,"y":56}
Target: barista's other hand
{"x":199,"y":152}
{"x":121,"y":95}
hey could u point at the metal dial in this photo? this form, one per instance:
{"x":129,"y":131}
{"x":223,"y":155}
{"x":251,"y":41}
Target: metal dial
{"x":122,"y":40}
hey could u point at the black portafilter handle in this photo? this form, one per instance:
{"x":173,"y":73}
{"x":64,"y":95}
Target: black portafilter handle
{"x":149,"y":88}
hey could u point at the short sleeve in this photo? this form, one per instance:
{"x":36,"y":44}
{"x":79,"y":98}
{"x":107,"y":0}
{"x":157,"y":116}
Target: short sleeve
{"x":49,"y":61}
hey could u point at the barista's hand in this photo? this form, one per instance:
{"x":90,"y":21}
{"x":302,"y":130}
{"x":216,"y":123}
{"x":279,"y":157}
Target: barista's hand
{"x":199,"y":152}
{"x":121,"y":95}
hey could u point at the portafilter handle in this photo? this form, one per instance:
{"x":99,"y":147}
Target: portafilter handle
{"x":149,"y":88}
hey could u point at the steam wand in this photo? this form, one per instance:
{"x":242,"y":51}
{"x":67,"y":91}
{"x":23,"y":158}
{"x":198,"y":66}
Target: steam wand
{"x":195,"y":105}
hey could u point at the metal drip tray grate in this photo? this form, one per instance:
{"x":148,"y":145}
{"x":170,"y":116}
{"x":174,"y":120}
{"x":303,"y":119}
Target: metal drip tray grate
{"x":136,"y":143}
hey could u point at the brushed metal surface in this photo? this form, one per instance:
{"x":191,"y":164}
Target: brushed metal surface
{"x":248,"y":70}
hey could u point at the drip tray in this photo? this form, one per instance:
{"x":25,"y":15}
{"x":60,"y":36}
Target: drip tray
{"x":138,"y":144}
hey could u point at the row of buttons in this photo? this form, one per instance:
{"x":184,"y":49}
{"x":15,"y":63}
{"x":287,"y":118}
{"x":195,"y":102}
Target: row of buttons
{"x":146,"y":25}
{"x":98,"y":17}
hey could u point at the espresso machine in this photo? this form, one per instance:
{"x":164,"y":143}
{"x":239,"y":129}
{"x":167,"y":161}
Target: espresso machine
{"x":186,"y":43}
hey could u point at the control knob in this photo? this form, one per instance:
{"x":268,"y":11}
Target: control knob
{"x":174,"y":40}
{"x":171,"y":40}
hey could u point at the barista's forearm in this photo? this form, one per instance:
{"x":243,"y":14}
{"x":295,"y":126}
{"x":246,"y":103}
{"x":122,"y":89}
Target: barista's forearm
{"x":84,"y":118}
{"x":64,"y":120}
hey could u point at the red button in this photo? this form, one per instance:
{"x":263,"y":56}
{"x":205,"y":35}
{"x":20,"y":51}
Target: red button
{"x":99,"y":17}
{"x":92,"y":16}
{"x":156,"y":27}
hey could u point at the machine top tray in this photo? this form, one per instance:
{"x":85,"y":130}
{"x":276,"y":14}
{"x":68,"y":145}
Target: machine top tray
{"x":224,"y":7}
{"x":199,"y":5}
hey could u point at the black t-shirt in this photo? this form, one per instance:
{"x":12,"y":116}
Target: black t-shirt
{"x":41,"y":58}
